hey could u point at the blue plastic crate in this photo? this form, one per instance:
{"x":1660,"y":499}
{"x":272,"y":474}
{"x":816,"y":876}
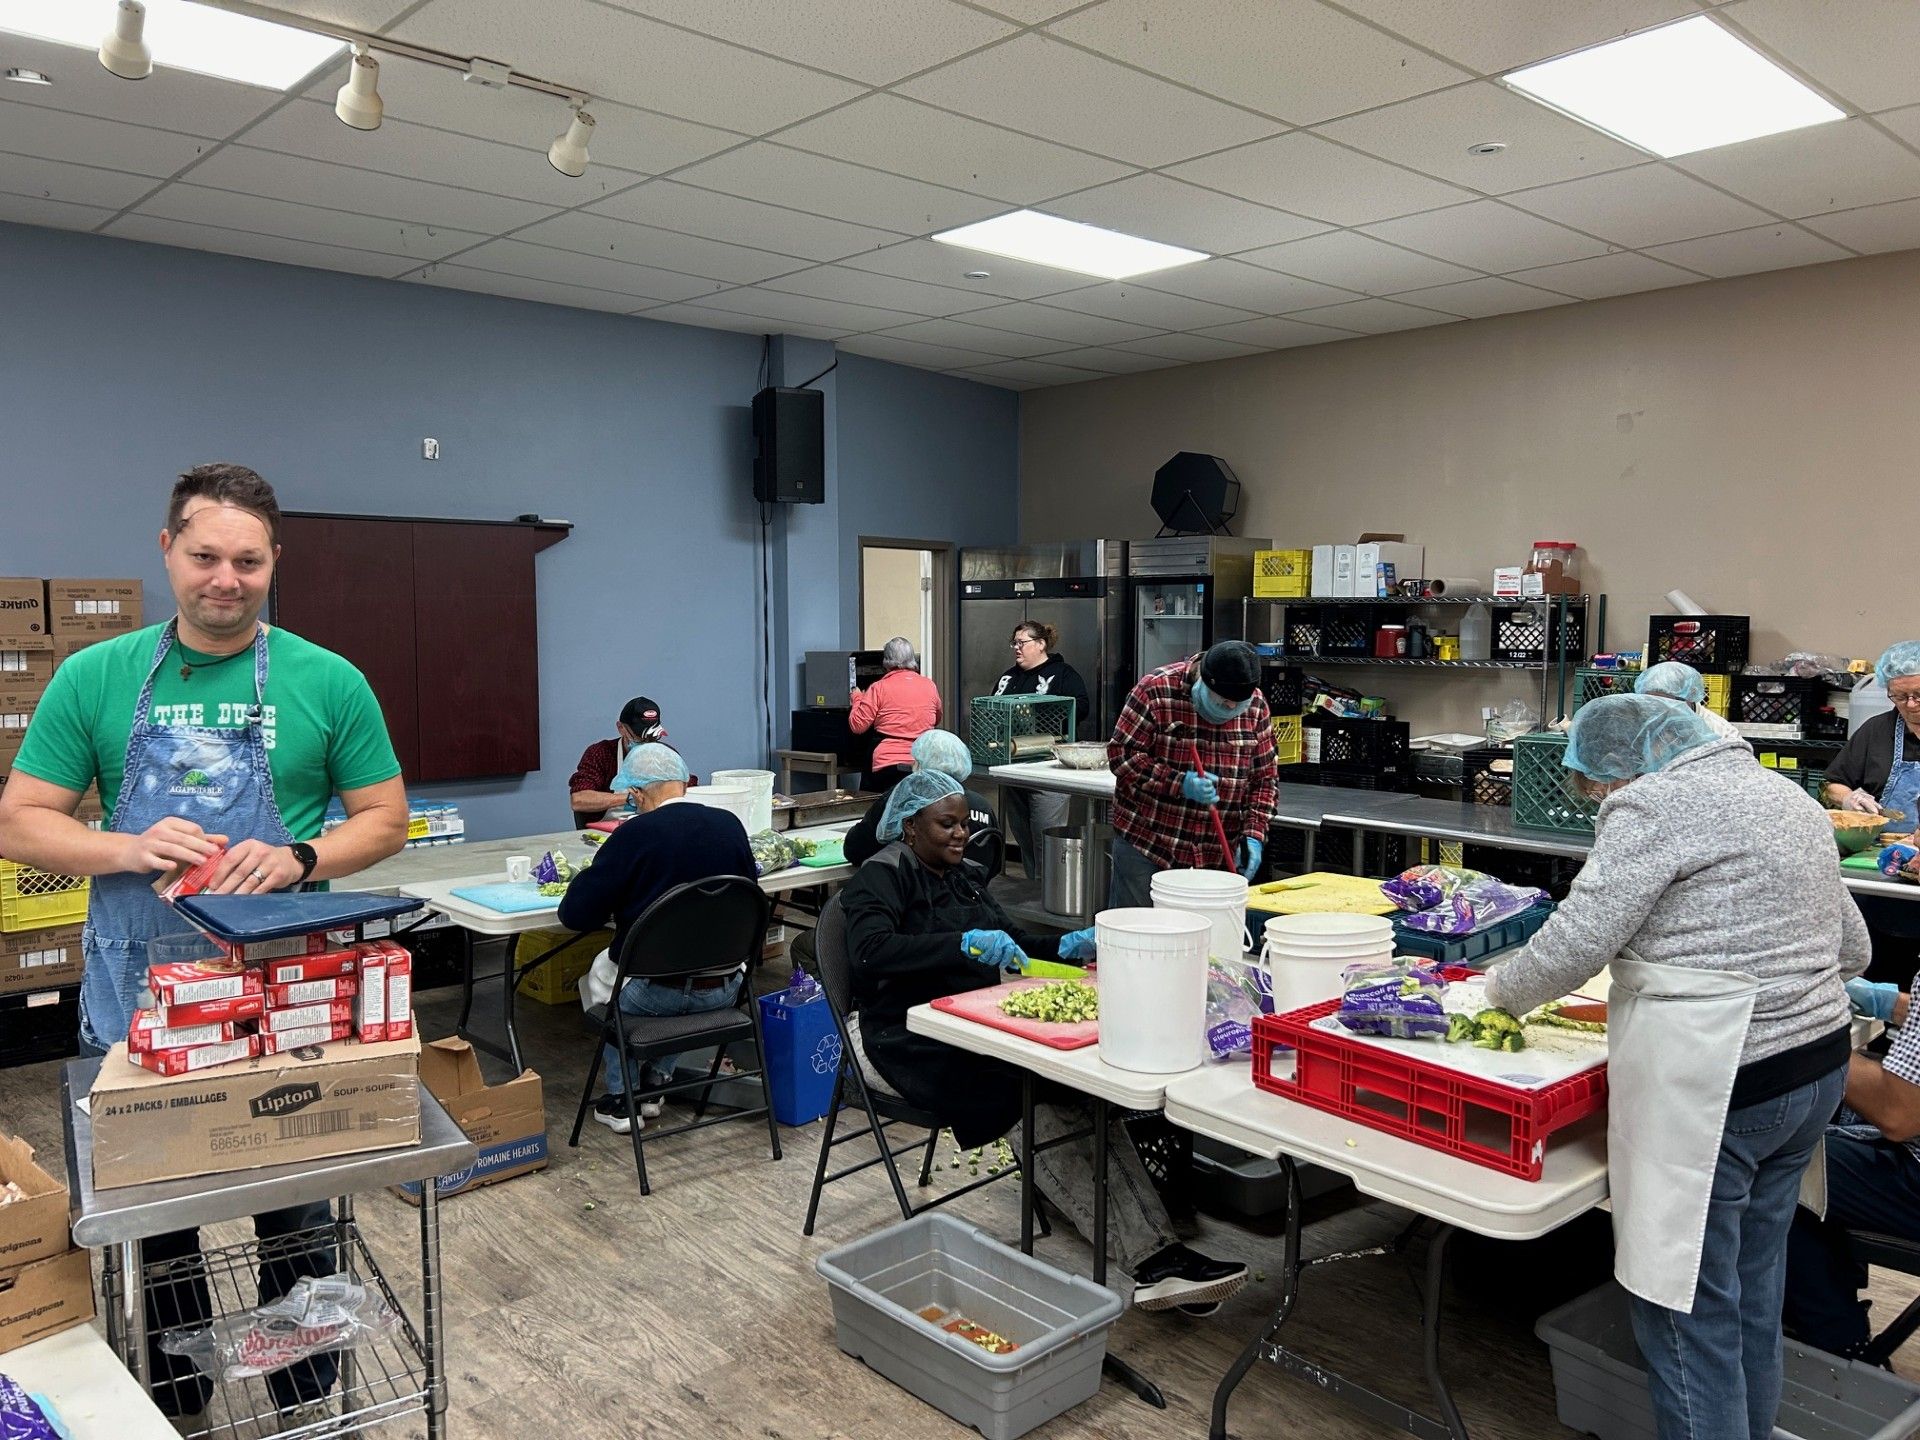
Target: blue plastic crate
{"x":803,"y":1057}
{"x":1471,"y":949}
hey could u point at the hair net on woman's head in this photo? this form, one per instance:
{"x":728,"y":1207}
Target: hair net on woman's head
{"x":912,"y":795}
{"x":1674,"y":680}
{"x":1620,"y":736}
{"x":898,"y":654}
{"x":650,"y":765}
{"x":1898,"y":662}
{"x":944,"y":751}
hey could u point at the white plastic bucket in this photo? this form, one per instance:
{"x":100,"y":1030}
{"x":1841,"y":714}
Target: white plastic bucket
{"x":1219,"y":895}
{"x":736,"y":800}
{"x":1153,"y":989}
{"x":758,"y":783}
{"x":1304,"y":955}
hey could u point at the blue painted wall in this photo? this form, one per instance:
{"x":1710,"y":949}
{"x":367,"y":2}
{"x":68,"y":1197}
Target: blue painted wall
{"x":127,"y":363}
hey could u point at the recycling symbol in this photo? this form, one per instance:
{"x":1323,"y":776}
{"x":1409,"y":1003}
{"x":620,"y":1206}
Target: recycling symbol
{"x":826,"y":1055}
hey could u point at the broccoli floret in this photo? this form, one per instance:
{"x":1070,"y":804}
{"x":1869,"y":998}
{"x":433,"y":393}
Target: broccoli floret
{"x":1459,"y":1027}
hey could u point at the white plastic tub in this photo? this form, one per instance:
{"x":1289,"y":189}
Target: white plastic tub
{"x":1304,"y":955}
{"x":1153,"y":989}
{"x":1219,"y":895}
{"x":759,"y":786}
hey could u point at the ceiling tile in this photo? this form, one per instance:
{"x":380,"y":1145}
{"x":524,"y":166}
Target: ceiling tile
{"x":864,"y":287}
{"x":354,"y":14}
{"x":908,"y":138}
{"x":1246,"y":287}
{"x":1840,"y":166}
{"x":1029,"y":317}
{"x":167,"y":99}
{"x":515,"y":287}
{"x":198,"y":205}
{"x":1491,"y":36}
{"x":157,"y":231}
{"x":692,"y":211}
{"x":853,"y":193}
{"x":630,"y":59}
{"x":668,"y":249}
{"x":1311,"y":176}
{"x":364,"y":192}
{"x":1859,"y":50}
{"x":902,"y":351}
{"x":83,"y":140}
{"x":32,"y":210}
{"x":1357,"y":262}
{"x":75,"y":184}
{"x":1489,"y":295}
{"x":1294,"y":59}
{"x":1128,"y":301}
{"x":1875,"y":229}
{"x":1374,"y":317}
{"x":1603,"y":275}
{"x":1030,"y":12}
{"x":1036,"y":372}
{"x":996,"y":383}
{"x":992,"y":344}
{"x":1745,"y":252}
{"x":1052,"y":90}
{"x":744,"y":324}
{"x":1173,"y":212}
{"x":1647,"y":205}
{"x":1275,"y":333}
{"x":1488,"y":236}
{"x":1112,"y":362}
{"x":939,"y":264}
{"x":1190,"y":347}
{"x":1432,"y":134}
{"x":1904,"y":123}
{"x":877,"y":41}
{"x":804,"y":310}
{"x":542,"y":262}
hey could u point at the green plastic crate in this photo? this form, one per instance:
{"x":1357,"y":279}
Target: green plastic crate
{"x":1544,"y":797}
{"x":1590,"y":684}
{"x":1002,"y":729}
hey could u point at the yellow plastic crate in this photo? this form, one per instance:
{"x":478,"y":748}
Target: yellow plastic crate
{"x":1289,"y":739}
{"x":1719,"y":692}
{"x":32,"y":899}
{"x":557,"y":982}
{"x":1281,"y":574}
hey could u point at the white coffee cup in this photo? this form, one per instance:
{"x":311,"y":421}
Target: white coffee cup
{"x":519,"y":868}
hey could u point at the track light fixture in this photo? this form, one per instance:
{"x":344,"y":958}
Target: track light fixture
{"x":358,"y":103}
{"x":568,"y":153}
{"x":124,"y":51}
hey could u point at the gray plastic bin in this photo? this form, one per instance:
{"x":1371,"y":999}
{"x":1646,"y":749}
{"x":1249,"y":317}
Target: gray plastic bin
{"x":1600,"y":1382}
{"x":1059,"y":1321}
{"x":1226,"y":1179}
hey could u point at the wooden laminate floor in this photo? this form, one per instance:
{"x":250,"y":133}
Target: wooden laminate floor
{"x":576,"y":1306}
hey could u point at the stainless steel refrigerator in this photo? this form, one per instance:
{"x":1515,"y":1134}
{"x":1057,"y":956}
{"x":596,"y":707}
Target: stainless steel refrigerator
{"x":1183,"y":593}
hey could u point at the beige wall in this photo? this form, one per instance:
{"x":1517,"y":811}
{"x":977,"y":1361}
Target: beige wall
{"x":1750,"y":441}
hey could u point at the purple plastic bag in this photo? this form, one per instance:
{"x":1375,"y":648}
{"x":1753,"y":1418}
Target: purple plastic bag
{"x":1398,"y":999}
{"x":1425,"y":886}
{"x":20,"y":1417}
{"x":1474,"y":907}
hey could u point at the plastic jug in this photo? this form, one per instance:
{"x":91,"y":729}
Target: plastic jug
{"x":1476,"y":633}
{"x":1869,"y":698}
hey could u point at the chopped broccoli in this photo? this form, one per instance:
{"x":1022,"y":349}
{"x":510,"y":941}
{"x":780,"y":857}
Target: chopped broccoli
{"x":1489,"y":1030}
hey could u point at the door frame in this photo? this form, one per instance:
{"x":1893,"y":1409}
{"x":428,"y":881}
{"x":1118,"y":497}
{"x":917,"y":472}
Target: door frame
{"x":946,"y":598}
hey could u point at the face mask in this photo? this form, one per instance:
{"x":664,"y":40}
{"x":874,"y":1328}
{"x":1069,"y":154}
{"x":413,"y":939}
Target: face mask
{"x":1212,"y":708}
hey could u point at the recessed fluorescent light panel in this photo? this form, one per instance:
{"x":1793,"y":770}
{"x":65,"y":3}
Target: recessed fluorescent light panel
{"x":1069,"y":245}
{"x":1681,"y":88}
{"x":184,"y":36}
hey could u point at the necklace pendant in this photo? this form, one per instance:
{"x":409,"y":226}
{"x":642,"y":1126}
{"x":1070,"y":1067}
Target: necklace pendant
{"x":186,"y":672}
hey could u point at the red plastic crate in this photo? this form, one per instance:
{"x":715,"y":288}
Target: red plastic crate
{"x":1491,"y":1125}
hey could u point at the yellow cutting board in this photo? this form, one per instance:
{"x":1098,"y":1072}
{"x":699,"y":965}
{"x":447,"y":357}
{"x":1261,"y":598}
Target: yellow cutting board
{"x":1321,"y":893}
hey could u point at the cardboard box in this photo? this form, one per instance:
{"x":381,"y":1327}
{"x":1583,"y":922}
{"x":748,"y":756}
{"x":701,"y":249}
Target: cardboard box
{"x":65,"y":647}
{"x":191,"y":982}
{"x":254,"y":951}
{"x":204,"y":1012}
{"x":311,"y":992}
{"x":1344,"y":559}
{"x":25,"y":667}
{"x":1506,"y":582}
{"x":271,"y":1110}
{"x":370,"y":1002}
{"x":1320,"y":580}
{"x":399,"y":994}
{"x":34,"y":1228}
{"x":147,"y":1037}
{"x":40,"y":959}
{"x":45,"y":1297}
{"x":195,"y":1058}
{"x":306,"y":1017}
{"x":327,"y":965}
{"x":508,"y":1122}
{"x":97,"y":608}
{"x":23,"y":615}
{"x":306,"y":1035}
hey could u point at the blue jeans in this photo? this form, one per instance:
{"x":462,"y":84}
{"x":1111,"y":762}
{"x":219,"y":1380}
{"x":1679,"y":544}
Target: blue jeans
{"x":1872,"y":1184}
{"x":1715,"y":1374}
{"x":1133,"y":872}
{"x":657,"y":998}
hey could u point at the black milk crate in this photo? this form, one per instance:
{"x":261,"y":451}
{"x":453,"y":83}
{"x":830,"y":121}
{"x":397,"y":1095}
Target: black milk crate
{"x":1824,"y":724}
{"x":1520,"y":632}
{"x":1328,"y":630}
{"x":1358,"y":744}
{"x":1551,"y":873}
{"x":1339,"y":778}
{"x":1487,"y":776}
{"x":1286,"y":690}
{"x":1711,"y":644}
{"x":1803,"y":762}
{"x":1776,"y":700}
{"x":1381,"y":855}
{"x":41,"y":1026}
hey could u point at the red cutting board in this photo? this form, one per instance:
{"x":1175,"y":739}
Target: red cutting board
{"x":983,"y":1008}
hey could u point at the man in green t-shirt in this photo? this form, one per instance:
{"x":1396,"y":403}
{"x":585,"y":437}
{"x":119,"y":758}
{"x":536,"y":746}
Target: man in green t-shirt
{"x":211,"y":731}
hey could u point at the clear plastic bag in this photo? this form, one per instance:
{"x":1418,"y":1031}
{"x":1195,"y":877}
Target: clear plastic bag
{"x":315,"y":1316}
{"x":1510,"y":721}
{"x":1234,"y":997}
{"x":1425,"y":886}
{"x":1473,"y":907}
{"x":1395,"y":997}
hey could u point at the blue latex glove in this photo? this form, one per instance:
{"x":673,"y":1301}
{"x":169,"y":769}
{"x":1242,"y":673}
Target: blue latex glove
{"x":994,"y":948}
{"x":1873,"y":1000}
{"x":1251,"y":850}
{"x":1077,"y":944}
{"x":1200,"y":789}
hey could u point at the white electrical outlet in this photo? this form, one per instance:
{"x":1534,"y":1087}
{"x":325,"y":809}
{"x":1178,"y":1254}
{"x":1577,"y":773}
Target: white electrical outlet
{"x":429,"y":449}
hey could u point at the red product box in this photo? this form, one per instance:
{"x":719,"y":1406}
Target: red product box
{"x":307,"y":1035}
{"x":188,"y":880}
{"x":302,"y":1017}
{"x":255,"y":951}
{"x":203,"y":1012}
{"x":399,"y":995}
{"x":310,"y":992}
{"x":370,"y":1004}
{"x":321,"y":965}
{"x":188,"y":982}
{"x":198,"y":1057}
{"x":177,"y":1037}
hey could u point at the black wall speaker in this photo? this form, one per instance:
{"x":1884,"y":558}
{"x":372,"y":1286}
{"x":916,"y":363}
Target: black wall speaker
{"x":790,"y":431}
{"x":1196,"y":494}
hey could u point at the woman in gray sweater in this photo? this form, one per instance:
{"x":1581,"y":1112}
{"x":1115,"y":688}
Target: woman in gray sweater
{"x":1703,"y":861}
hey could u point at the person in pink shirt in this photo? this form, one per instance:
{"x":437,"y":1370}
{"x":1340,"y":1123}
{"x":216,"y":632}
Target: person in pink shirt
{"x":899,"y":707}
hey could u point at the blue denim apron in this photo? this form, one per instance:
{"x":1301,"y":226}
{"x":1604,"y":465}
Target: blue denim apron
{"x":216,"y":777}
{"x":1897,"y":919}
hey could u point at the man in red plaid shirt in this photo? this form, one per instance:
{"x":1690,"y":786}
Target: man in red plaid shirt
{"x":1162,"y":801}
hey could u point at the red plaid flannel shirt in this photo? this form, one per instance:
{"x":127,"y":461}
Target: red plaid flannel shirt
{"x":1148,"y":757}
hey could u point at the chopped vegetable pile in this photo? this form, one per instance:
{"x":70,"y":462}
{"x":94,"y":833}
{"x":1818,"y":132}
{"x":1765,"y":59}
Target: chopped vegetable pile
{"x":803,"y":849}
{"x":1489,"y":1029}
{"x":1550,"y":1015}
{"x":563,"y":871}
{"x":1061,"y":1002}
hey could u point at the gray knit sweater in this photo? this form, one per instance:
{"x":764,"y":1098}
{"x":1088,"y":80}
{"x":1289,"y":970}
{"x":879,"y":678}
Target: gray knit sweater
{"x":1718,"y":864}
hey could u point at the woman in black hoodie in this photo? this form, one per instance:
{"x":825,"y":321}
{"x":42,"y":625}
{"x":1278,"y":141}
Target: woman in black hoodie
{"x":1036,"y":670}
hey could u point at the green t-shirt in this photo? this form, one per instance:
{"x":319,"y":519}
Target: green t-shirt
{"x":323,"y":728}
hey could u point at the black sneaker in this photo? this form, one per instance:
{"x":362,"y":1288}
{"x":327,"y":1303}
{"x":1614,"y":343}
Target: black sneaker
{"x":611,"y":1111}
{"x":1177,"y":1276}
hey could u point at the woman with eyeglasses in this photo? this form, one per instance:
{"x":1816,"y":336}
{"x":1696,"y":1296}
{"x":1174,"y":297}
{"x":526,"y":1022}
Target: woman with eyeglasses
{"x":1036,"y":670}
{"x":1878,"y":772}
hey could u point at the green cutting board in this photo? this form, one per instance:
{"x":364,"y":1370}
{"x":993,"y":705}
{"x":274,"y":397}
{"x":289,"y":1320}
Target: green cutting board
{"x":1868,"y":859}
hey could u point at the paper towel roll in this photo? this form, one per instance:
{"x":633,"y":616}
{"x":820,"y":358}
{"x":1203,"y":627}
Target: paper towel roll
{"x":1684,"y":604}
{"x":1456,"y":586}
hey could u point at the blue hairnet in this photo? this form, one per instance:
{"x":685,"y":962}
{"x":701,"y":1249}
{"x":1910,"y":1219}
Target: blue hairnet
{"x":650,"y":765}
{"x":1675,"y":680}
{"x":1899,"y":662}
{"x":944,"y":751}
{"x":1620,"y":736}
{"x":912,"y":795}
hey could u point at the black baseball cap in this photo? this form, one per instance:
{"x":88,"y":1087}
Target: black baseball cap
{"x":642,"y":717}
{"x":1231,"y":670}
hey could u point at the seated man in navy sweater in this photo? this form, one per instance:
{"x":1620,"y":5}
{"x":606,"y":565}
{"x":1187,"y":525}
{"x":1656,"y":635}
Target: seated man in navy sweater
{"x":670,"y":842}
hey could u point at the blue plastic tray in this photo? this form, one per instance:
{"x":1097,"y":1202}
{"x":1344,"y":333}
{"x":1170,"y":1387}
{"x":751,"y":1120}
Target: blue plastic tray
{"x":245,"y":919}
{"x":1471,"y":949}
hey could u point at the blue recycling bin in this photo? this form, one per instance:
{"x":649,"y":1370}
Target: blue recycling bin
{"x":803,"y":1057}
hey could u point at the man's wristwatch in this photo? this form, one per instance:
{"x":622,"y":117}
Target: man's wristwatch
{"x":304,"y":853}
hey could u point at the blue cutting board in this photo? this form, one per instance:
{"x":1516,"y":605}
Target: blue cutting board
{"x":245,"y":919}
{"x":507,"y":897}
